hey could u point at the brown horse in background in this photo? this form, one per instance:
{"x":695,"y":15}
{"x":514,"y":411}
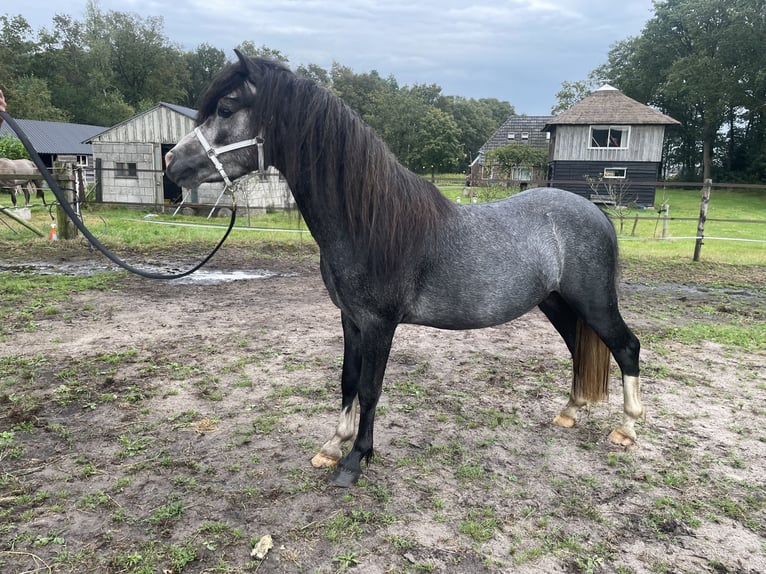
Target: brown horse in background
{"x":28,"y":179}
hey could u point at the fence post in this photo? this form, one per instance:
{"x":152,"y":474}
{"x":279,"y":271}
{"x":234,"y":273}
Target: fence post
{"x":706,"y":188}
{"x":64,"y":226}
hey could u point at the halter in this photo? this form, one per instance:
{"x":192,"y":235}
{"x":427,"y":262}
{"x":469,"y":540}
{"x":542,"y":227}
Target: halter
{"x":213,"y":154}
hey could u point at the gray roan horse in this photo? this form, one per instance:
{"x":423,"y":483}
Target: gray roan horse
{"x":395,"y":250}
{"x":28,"y":178}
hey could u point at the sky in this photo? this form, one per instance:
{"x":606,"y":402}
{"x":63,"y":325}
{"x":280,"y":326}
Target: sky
{"x":518,"y":51}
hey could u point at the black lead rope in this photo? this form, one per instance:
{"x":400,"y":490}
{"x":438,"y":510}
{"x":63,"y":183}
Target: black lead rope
{"x":81,"y":226}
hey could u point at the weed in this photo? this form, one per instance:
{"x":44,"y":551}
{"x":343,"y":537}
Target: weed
{"x":168,"y":512}
{"x":346,"y":560}
{"x":7,"y":449}
{"x":480,"y":525}
{"x":133,"y":446}
{"x":400,"y":542}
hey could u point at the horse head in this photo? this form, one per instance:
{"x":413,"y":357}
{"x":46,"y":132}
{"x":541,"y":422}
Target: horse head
{"x":230,"y":124}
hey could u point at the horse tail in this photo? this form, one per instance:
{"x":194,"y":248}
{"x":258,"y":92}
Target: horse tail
{"x":590,"y":363}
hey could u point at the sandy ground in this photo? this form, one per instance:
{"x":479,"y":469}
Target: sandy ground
{"x":169,"y":426}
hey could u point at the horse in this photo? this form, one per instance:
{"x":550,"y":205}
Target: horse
{"x":393,"y":249}
{"x":29,"y":179}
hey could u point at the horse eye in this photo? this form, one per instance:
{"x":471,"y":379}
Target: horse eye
{"x":224,"y":112}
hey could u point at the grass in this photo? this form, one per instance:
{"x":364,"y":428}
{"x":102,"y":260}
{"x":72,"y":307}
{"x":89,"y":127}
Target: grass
{"x":721,"y":229}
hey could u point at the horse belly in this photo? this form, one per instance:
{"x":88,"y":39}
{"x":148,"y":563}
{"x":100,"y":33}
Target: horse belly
{"x":472,"y":308}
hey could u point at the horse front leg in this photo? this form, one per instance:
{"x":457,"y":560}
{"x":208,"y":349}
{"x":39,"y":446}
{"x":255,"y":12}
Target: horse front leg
{"x":330,"y":453}
{"x":376,"y":346}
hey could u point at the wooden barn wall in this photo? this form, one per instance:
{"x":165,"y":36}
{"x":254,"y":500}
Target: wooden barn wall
{"x":640,"y":177}
{"x":161,"y":125}
{"x":571,"y":144}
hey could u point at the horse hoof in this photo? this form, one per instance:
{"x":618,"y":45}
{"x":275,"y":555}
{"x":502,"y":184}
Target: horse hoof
{"x":563,"y":420}
{"x":621,"y":438}
{"x":322,"y":460}
{"x":343,"y":478}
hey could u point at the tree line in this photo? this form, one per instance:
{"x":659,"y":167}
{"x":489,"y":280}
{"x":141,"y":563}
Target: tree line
{"x":112,"y":65}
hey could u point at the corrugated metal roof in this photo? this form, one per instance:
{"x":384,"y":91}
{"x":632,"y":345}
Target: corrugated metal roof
{"x":56,"y":137}
{"x":608,"y":105}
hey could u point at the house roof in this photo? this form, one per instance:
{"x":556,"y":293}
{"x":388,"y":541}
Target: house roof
{"x":608,"y":105}
{"x":188,"y":112}
{"x":56,"y":137}
{"x":184,"y":111}
{"x":511,"y":132}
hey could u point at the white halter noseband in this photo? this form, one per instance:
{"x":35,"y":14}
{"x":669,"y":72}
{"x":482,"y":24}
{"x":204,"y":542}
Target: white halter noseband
{"x":213,"y":153}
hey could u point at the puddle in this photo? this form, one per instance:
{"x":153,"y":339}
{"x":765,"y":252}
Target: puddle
{"x":203,"y":277}
{"x":200,"y":277}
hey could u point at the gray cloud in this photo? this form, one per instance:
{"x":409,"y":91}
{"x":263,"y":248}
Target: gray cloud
{"x":515,"y":50}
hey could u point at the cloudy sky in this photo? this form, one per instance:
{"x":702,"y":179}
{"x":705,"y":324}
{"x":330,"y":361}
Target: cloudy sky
{"x":514,"y":50}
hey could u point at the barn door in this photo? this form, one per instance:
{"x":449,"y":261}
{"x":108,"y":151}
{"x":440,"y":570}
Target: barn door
{"x":171,"y":192}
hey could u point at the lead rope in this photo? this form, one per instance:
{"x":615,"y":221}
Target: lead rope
{"x":95,"y":242}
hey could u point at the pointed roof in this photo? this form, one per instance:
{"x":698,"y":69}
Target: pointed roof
{"x":511,"y":132}
{"x":183,"y":110}
{"x":608,"y":105}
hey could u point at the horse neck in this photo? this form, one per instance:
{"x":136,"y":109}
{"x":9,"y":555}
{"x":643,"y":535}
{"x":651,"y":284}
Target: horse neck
{"x":310,"y":153}
{"x":349,"y":188}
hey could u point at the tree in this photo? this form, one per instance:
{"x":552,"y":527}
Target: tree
{"x":362,"y":92}
{"x":688,"y":62}
{"x":104,"y":69}
{"x":12,"y":148}
{"x":437,"y":143}
{"x":396,"y":116}
{"x":16,"y":48}
{"x":514,"y":155}
{"x":569,"y":94}
{"x":144,"y":66}
{"x":32,"y":101}
{"x":315,"y":73}
{"x":248,"y":48}
{"x":204,"y":63}
{"x":476,"y":120}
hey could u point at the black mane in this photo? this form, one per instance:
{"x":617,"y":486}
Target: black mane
{"x":388,"y":210}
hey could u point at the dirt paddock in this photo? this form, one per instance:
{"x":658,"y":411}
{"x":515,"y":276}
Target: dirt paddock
{"x":167,"y":427}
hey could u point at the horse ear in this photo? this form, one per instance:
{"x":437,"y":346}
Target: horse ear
{"x":242,"y":59}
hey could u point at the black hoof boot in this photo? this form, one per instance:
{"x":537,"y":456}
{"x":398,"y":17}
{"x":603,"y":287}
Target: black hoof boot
{"x":343,"y":477}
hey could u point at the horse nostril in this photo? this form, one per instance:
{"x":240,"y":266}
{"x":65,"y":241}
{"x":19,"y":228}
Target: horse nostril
{"x":168,"y":157}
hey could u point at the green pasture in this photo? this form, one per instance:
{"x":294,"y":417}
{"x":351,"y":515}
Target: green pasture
{"x":735,"y":231}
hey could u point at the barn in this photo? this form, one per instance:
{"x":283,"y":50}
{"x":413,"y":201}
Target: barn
{"x":607,"y":147}
{"x":130,"y":163}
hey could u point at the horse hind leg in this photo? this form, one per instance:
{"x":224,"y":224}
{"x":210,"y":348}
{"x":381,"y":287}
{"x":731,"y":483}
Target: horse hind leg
{"x":591,"y":349}
{"x":633,"y":409}
{"x":590,"y":358}
{"x":625,"y":348}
